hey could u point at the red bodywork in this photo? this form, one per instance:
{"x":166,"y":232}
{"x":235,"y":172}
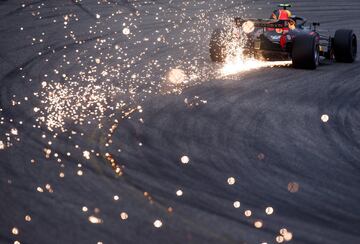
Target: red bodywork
{"x":283,"y":15}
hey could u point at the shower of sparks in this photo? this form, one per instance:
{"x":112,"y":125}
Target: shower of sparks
{"x":111,"y":72}
{"x":194,"y":101}
{"x":239,"y":63}
{"x":113,"y":80}
{"x":75,"y":102}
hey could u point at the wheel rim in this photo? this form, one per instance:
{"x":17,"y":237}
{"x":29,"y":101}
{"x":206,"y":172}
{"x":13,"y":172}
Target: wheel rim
{"x":354,"y":46}
{"x":316,"y":55}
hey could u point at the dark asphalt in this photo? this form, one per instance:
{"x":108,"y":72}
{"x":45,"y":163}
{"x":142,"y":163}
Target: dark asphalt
{"x":262,"y":127}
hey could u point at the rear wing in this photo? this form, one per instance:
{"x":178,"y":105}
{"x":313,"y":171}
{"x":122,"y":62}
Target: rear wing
{"x":263,"y":23}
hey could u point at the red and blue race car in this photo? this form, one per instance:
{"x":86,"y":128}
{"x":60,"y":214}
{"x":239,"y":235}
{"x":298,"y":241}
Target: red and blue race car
{"x":283,"y":37}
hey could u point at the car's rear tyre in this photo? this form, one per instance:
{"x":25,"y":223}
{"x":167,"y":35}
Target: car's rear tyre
{"x":218,"y":45}
{"x":305,"y":52}
{"x":345,"y":46}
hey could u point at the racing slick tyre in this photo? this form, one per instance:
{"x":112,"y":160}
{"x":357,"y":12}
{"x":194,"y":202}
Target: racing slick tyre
{"x":218,"y":45}
{"x":345,"y":46}
{"x":305,"y":52}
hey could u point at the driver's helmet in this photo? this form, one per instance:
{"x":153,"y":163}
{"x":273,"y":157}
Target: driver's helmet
{"x":283,"y":14}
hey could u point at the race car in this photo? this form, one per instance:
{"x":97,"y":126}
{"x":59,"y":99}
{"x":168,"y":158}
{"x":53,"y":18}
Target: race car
{"x":283,"y":37}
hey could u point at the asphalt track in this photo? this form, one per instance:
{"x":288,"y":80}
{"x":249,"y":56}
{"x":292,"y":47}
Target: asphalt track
{"x":261,"y":127}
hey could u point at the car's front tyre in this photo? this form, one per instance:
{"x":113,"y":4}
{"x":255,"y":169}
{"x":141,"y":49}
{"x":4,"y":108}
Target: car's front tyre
{"x":345,"y":46}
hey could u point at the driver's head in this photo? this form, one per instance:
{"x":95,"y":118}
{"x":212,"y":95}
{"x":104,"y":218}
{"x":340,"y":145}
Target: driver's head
{"x":281,"y":14}
{"x":284,"y":14}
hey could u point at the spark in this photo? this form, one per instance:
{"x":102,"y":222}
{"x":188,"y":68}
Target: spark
{"x":279,"y":239}
{"x":14,"y":131}
{"x":185,"y":159}
{"x":236,"y":204}
{"x":179,"y":193}
{"x":247,"y":213}
{"x":231,"y":180}
{"x":15,"y":231}
{"x":283,"y":231}
{"x":258,"y":224}
{"x":269,"y":210}
{"x":27,"y":218}
{"x":126,"y":31}
{"x":49,"y":188}
{"x":288,"y":236}
{"x":95,"y":220}
{"x":325,"y":118}
{"x":86,"y":154}
{"x":124,"y":216}
{"x":293,"y":187}
{"x":158,"y":223}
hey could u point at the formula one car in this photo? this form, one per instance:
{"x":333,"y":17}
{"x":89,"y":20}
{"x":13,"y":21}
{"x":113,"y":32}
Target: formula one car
{"x":283,"y":37}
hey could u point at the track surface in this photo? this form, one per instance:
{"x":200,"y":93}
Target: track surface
{"x":261,"y":127}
